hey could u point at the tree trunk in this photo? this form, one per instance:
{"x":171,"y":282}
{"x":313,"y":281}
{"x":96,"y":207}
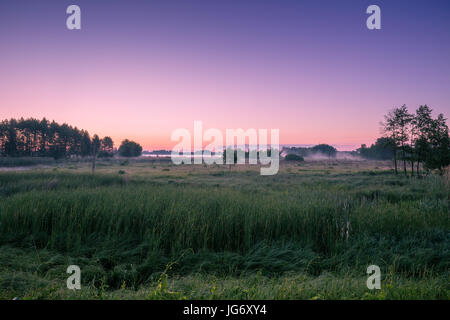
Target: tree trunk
{"x":94,"y":157}
{"x":404,"y":163}
{"x":395,"y":162}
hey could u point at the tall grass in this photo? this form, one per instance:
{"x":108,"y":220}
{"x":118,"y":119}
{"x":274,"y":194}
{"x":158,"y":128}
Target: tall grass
{"x":334,"y":223}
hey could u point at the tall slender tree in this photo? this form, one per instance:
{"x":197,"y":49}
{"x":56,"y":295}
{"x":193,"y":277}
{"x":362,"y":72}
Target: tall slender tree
{"x":439,"y":156}
{"x":422,"y":124}
{"x":390,"y":129}
{"x":95,"y":150}
{"x":403,"y":119}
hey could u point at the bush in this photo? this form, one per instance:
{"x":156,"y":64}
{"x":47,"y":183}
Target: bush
{"x":130,"y":149}
{"x":293,"y":157}
{"x":325,"y":149}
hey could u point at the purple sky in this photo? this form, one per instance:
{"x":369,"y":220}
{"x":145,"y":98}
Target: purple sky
{"x":141,"y":69}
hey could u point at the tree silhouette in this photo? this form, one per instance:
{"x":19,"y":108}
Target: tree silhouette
{"x":106,"y":147}
{"x":130,"y":149}
{"x":325,"y":149}
{"x":95,"y":150}
{"x":419,"y":137}
{"x":383,"y":149}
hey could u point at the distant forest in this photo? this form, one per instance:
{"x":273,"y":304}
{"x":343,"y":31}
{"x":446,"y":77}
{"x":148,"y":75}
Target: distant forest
{"x":42,"y":138}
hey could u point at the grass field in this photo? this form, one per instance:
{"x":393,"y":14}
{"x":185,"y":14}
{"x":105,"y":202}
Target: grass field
{"x":147,"y":229}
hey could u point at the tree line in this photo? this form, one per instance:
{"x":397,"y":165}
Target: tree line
{"x":415,"y":141}
{"x":42,"y":138}
{"x":320,"y":149}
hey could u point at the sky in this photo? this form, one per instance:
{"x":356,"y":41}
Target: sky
{"x":141,"y":69}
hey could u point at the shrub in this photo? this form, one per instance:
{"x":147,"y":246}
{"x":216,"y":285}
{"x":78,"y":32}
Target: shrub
{"x":130,"y":149}
{"x":293,"y":157}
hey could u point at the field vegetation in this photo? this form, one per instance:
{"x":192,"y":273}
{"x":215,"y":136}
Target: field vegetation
{"x":147,"y":229}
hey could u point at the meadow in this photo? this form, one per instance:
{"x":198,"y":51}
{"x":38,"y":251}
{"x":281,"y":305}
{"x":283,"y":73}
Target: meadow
{"x":147,"y":229}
